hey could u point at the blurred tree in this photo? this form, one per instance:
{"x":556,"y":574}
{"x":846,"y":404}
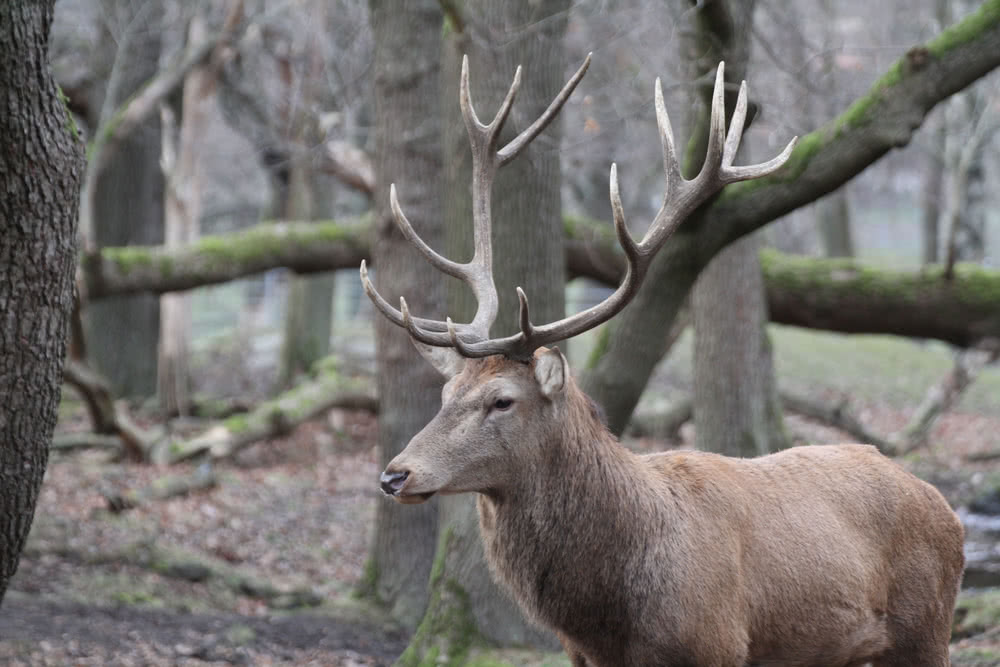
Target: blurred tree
{"x":833,"y":212}
{"x":183,"y":169}
{"x":527,"y":251}
{"x":309,"y":314}
{"x":736,"y":406}
{"x":408,"y":153}
{"x":123,"y":204}
{"x":41,"y":168}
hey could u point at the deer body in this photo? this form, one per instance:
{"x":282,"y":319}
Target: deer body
{"x":827,"y":555}
{"x":812,"y":557}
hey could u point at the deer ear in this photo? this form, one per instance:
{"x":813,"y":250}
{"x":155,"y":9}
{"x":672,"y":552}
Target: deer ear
{"x":446,"y":360}
{"x":551,"y":371}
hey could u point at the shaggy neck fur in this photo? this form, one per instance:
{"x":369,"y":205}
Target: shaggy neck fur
{"x":571,"y":519}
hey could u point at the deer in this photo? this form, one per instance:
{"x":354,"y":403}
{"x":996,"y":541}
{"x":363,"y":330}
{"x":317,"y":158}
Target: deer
{"x":827,"y":555}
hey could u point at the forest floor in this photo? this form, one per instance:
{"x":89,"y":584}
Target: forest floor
{"x":261,"y":568}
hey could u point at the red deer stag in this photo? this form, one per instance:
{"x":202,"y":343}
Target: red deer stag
{"x":829,"y":556}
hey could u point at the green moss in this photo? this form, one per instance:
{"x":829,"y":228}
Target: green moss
{"x":448,"y":630}
{"x":967,"y":30}
{"x":264,"y":238}
{"x":70,"y":121}
{"x":237,"y":423}
{"x":367,"y":587}
{"x":128,"y":258}
{"x":976,"y":284}
{"x":440,"y":554}
{"x":972,"y":285}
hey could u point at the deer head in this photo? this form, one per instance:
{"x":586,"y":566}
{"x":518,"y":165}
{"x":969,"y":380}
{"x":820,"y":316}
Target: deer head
{"x":506,"y":397}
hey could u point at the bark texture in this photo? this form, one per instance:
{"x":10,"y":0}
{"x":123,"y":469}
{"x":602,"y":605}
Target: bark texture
{"x":736,"y":410}
{"x":126,"y":206}
{"x":885,"y":118}
{"x":408,"y":153}
{"x":41,"y":167}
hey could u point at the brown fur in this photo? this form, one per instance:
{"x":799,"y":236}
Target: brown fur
{"x":826,"y":555}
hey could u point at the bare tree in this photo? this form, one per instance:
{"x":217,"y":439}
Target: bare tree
{"x":736,"y":407}
{"x":184,"y":174}
{"x":408,"y":131}
{"x":123,"y":202}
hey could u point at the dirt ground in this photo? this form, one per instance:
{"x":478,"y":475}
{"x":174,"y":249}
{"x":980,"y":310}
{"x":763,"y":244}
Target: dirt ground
{"x":259,"y":570}
{"x":178,"y":582}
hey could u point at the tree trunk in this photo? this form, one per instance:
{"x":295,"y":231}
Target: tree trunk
{"x":128,"y":209}
{"x":736,"y":407}
{"x":408,"y":153}
{"x":933,"y":192}
{"x":834,"y":216}
{"x":41,"y":167}
{"x":309,"y":315}
{"x":736,"y":411}
{"x":527,"y":251}
{"x":182,"y":220}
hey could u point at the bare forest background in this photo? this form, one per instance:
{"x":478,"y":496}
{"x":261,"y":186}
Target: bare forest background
{"x":230,"y":396}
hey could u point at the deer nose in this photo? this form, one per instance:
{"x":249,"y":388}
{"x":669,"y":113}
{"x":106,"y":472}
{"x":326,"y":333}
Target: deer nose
{"x":392,"y":482}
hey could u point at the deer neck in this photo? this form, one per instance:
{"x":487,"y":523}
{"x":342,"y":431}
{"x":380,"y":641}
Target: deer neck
{"x":567,"y":518}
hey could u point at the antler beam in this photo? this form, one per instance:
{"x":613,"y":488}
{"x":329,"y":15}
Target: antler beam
{"x":682,"y":197}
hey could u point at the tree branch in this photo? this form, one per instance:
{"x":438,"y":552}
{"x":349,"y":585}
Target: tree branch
{"x":832,"y":294}
{"x":886,"y":118}
{"x":300,"y":246}
{"x":350,"y":164}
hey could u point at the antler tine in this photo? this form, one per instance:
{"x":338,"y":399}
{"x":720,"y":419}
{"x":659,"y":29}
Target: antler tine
{"x":717,"y":126}
{"x":751,"y":171}
{"x":443,"y":264}
{"x":431,"y":332}
{"x":464,"y":101}
{"x":524,"y":318}
{"x":484,"y":137}
{"x":736,"y":123}
{"x":632,"y":251}
{"x":518,"y":143}
{"x":670,"y":164}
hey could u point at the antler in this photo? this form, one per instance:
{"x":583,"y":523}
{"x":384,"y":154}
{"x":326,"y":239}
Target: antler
{"x":681,"y":199}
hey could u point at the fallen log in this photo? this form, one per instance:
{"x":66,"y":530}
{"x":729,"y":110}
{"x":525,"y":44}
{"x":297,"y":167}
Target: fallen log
{"x":838,"y":294}
{"x":327,"y":389}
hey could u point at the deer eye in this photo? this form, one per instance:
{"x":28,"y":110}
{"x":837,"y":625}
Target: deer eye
{"x":502,"y":404}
